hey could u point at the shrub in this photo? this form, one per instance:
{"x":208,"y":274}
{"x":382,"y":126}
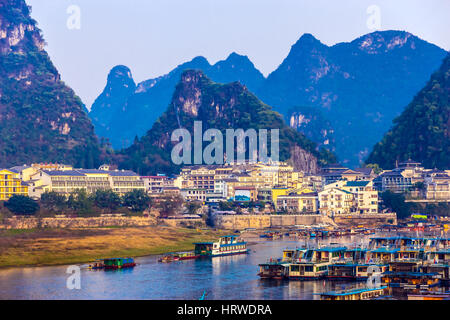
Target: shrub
{"x":22,"y":205}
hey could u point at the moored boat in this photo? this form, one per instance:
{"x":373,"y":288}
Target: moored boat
{"x":112,"y":263}
{"x":273,"y":270}
{"x":97,"y":265}
{"x":227,"y":245}
{"x":178,"y":256}
{"x":354,"y":294}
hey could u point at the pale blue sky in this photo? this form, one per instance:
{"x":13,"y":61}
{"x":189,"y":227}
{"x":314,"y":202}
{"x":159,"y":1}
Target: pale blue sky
{"x":153,"y":36}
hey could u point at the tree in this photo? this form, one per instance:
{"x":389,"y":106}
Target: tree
{"x":22,"y":205}
{"x":193,"y":206}
{"x":376,"y":168}
{"x":396,"y":202}
{"x":136,"y":200}
{"x":225,"y":206}
{"x":170,"y":205}
{"x":80,"y":202}
{"x":106,"y":199}
{"x":419,"y":186}
{"x":53,"y":201}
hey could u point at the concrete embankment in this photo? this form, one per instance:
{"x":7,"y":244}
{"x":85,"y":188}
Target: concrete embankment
{"x":62,"y":223}
{"x":240,"y":222}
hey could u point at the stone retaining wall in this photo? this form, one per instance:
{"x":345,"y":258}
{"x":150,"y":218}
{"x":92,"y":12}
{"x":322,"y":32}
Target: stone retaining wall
{"x":33,"y":223}
{"x":367,"y":220}
{"x":240,"y":222}
{"x":183,"y":223}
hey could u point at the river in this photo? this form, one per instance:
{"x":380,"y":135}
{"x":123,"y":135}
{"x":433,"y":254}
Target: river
{"x":227,"y":278}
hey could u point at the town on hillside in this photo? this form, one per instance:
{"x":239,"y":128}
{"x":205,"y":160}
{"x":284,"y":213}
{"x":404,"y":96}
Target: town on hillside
{"x":211,"y":192}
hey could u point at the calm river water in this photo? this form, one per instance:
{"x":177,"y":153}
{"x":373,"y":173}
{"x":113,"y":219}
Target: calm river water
{"x":232,"y":277}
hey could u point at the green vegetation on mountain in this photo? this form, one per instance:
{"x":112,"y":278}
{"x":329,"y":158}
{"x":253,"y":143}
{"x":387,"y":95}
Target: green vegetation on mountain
{"x":124,"y":110}
{"x":41,"y":119}
{"x":358,"y":87}
{"x":218,"y":106}
{"x":422,"y":131}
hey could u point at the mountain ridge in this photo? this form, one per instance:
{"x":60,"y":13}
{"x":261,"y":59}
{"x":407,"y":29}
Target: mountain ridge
{"x":357,"y":87}
{"x":421,"y":132}
{"x":41,"y":119}
{"x":218,"y":106}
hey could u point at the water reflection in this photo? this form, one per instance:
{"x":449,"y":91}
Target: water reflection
{"x":232,"y":277}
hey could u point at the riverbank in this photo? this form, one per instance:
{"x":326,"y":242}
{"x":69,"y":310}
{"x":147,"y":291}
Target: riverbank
{"x":44,"y":247}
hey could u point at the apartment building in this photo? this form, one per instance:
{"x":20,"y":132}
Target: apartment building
{"x":155,"y":184}
{"x":298,"y":203}
{"x":194,"y":194}
{"x":436,"y":186}
{"x":67,"y":181}
{"x":201,"y":177}
{"x":11,"y":184}
{"x":336,"y":201}
{"x":365,"y":195}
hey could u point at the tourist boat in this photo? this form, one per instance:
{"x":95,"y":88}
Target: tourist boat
{"x":313,"y":264}
{"x":410,"y":280}
{"x":354,"y":294}
{"x":355,"y":255}
{"x":227,"y":245}
{"x":364,"y":270}
{"x":342,"y":271}
{"x":293,"y":255}
{"x":178,"y":256}
{"x":382,"y":255}
{"x":273,"y":270}
{"x":429,"y":295}
{"x":112,"y":263}
{"x":118,"y":263}
{"x":354,"y":271}
{"x":96,"y":265}
{"x":272,"y":235}
{"x":307,"y":270}
{"x":443,"y":269}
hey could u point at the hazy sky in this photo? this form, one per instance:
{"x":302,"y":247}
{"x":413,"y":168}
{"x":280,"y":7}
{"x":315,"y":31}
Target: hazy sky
{"x":151,"y":37}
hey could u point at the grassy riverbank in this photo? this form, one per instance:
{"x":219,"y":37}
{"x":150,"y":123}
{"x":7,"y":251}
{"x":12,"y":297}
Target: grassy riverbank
{"x":66,"y":246}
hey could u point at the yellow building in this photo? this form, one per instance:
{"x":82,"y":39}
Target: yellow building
{"x":10,"y":184}
{"x":276,"y":192}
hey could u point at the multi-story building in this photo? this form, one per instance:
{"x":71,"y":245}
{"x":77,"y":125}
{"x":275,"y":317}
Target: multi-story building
{"x":51,"y":166}
{"x":249,"y":193}
{"x":67,"y":181}
{"x":155,"y":184}
{"x":202,"y":177}
{"x":401,"y":179}
{"x":194,"y":194}
{"x":313,"y":182}
{"x":436,"y":186}
{"x":11,"y":184}
{"x":298,"y":203}
{"x":336,"y":201}
{"x":365,"y":195}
